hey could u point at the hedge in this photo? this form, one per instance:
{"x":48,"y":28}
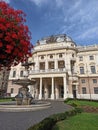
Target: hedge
{"x":49,"y":122}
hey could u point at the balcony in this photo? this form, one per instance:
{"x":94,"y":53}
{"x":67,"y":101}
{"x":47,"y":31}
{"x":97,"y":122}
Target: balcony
{"x":61,"y":70}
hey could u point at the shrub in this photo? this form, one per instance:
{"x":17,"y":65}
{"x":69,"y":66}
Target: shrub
{"x":49,"y":122}
{"x":68,"y":99}
{"x":59,"y":117}
{"x":78,"y":110}
{"x":74,"y":104}
{"x":45,"y":124}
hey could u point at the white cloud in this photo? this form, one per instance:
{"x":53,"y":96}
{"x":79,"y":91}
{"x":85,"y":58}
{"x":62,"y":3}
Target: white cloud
{"x":89,"y":33}
{"x":7,"y":1}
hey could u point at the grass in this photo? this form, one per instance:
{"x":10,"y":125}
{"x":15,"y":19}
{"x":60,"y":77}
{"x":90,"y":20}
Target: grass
{"x":5,"y":100}
{"x":83,"y":121}
{"x":83,"y":103}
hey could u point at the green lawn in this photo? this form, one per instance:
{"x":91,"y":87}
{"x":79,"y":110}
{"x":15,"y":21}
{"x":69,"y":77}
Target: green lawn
{"x":83,"y":121}
{"x":83,"y":103}
{"x":5,"y":100}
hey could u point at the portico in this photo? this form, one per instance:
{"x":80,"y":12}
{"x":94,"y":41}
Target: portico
{"x":51,"y":87}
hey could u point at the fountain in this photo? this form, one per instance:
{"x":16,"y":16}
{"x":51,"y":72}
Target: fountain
{"x":24,"y":98}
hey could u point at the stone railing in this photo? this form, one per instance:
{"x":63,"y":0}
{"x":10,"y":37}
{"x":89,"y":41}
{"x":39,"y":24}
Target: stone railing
{"x":48,"y":71}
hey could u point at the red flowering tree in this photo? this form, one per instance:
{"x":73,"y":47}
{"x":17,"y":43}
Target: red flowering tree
{"x":15,"y":37}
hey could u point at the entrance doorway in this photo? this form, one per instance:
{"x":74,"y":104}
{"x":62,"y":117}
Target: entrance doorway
{"x":49,"y":90}
{"x":74,"y":91}
{"x":61,"y":91}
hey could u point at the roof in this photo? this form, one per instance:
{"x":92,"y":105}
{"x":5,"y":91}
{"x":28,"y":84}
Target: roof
{"x":55,"y":39}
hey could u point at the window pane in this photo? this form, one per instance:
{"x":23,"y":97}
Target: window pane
{"x":94,"y":80}
{"x":61,"y":64}
{"x":14,"y":73}
{"x":91,"y":57}
{"x":82,"y":80}
{"x":96,"y":90}
{"x":42,"y":65}
{"x":60,"y":55}
{"x":51,"y":65}
{"x":12,"y":90}
{"x":51,"y":56}
{"x":21,"y":73}
{"x":93,"y":69}
{"x":84,"y":90}
{"x":81,"y":70}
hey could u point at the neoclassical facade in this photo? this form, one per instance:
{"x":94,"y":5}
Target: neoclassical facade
{"x":61,"y":70}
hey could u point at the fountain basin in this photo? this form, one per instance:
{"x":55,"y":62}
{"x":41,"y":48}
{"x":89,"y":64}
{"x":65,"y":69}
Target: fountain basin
{"x":23,"y":108}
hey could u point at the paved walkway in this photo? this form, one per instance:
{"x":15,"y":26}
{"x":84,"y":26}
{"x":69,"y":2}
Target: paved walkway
{"x":23,"y":120}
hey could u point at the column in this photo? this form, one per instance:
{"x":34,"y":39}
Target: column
{"x":46,"y":64}
{"x":56,"y":64}
{"x":67,"y":63}
{"x":65,"y":87}
{"x":46,"y":89}
{"x":37,"y":63}
{"x":36,"y":93}
{"x":56,"y":90}
{"x":40,"y":90}
{"x":52,"y":92}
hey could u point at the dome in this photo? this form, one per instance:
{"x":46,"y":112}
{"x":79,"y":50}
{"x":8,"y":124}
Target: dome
{"x":55,"y":39}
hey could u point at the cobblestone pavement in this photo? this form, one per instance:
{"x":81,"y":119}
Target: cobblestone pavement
{"x":23,"y":120}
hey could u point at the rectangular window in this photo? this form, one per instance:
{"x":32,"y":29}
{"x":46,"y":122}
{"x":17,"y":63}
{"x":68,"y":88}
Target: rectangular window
{"x":83,"y":90}
{"x":91,"y":57}
{"x":81,"y":70}
{"x":12,"y":90}
{"x":82,"y":80}
{"x":51,"y":65}
{"x":21,"y":73}
{"x":80,"y":58}
{"x":14,"y":73}
{"x":42,"y":65}
{"x":94,"y":80}
{"x":61,"y":64}
{"x":96,"y":90}
{"x":93,"y":70}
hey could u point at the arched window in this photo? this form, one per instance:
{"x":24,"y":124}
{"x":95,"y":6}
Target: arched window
{"x":14,"y":73}
{"x":21,"y":73}
{"x":81,"y":70}
{"x":93,"y":69}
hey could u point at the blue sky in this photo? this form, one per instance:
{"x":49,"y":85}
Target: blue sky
{"x":75,"y":18}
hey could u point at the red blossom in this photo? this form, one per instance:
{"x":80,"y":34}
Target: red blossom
{"x":15,"y":37}
{"x":1,"y":44}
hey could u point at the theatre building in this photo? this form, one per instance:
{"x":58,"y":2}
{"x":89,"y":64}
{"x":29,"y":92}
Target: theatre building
{"x":61,"y":70}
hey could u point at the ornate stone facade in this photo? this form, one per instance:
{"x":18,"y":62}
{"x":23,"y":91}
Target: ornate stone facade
{"x":59,"y":70}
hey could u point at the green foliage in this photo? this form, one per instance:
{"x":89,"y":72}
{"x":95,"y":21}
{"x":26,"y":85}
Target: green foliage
{"x":68,"y":99}
{"x":78,"y":110}
{"x":7,"y":99}
{"x":81,"y":102}
{"x":59,"y":117}
{"x":84,"y":121}
{"x":49,"y":122}
{"x":45,"y":124}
